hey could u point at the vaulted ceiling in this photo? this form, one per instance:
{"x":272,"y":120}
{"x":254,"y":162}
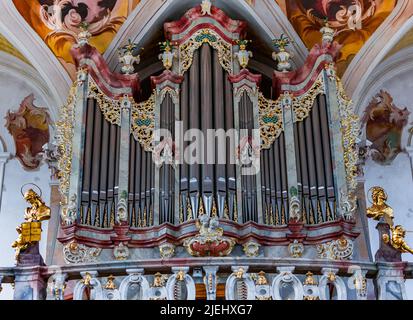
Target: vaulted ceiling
{"x":354,"y":21}
{"x":369,"y":30}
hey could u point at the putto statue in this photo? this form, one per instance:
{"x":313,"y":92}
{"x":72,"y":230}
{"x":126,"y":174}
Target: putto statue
{"x":20,"y":244}
{"x":379,"y":208}
{"x":397,"y":239}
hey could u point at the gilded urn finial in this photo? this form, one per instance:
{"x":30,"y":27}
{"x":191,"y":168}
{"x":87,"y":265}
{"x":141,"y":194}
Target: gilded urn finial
{"x":128,"y":56}
{"x":327,"y":32}
{"x":282,"y":56}
{"x":110,"y":284}
{"x":309,"y":280}
{"x":243,"y":54}
{"x":261,"y":280}
{"x":84,"y":34}
{"x":168,"y":55}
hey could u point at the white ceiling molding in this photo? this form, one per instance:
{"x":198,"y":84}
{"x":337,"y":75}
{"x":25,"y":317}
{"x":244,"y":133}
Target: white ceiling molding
{"x":148,"y":18}
{"x":377,"y":47}
{"x":401,"y":62}
{"x":27,"y":41}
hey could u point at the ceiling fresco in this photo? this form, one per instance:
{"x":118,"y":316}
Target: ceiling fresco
{"x":57,"y":22}
{"x":354,"y":21}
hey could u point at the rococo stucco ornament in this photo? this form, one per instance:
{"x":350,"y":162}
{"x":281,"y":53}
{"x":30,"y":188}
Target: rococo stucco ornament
{"x":340,"y":249}
{"x":166,"y":250}
{"x":74,"y":252}
{"x":69,"y":212}
{"x":296,"y":249}
{"x":251,"y":248}
{"x":122,"y":215}
{"x":262,"y":287}
{"x":121,"y":252}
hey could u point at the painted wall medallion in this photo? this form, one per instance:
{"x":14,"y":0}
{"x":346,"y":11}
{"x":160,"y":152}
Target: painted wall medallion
{"x":29,"y":126}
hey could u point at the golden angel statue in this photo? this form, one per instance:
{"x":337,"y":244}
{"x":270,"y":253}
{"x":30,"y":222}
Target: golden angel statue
{"x":29,"y":232}
{"x":38,"y":210}
{"x":379,"y":207}
{"x":397,"y":239}
{"x":20,"y":243}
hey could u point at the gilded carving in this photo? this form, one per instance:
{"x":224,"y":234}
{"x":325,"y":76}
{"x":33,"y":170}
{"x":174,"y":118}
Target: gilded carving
{"x":397,"y":240}
{"x":270,"y":120}
{"x":143,"y":123}
{"x":350,"y":128}
{"x":340,"y":249}
{"x":74,"y":252}
{"x":110,"y":108}
{"x":187,"y":49}
{"x":64,"y":138}
{"x":302,"y":105}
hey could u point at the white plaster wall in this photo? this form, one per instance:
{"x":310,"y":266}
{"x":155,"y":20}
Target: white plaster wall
{"x":12,"y":92}
{"x":397,"y":178}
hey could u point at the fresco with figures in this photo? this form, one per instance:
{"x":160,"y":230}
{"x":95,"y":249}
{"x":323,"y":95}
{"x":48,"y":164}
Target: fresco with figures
{"x":58,"y":22}
{"x":29,"y":126}
{"x":354,"y":21}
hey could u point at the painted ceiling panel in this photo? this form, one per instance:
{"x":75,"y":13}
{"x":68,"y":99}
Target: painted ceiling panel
{"x":354,"y":21}
{"x":57,"y":22}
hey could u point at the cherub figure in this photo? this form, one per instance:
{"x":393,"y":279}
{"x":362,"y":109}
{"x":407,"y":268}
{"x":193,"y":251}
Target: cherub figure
{"x":38,"y":210}
{"x":208,"y":226}
{"x":397,"y":239}
{"x":379,"y":207}
{"x":19,"y":244}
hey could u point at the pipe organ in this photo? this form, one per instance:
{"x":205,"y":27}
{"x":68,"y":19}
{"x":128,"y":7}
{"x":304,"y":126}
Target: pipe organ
{"x":124,"y":174}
